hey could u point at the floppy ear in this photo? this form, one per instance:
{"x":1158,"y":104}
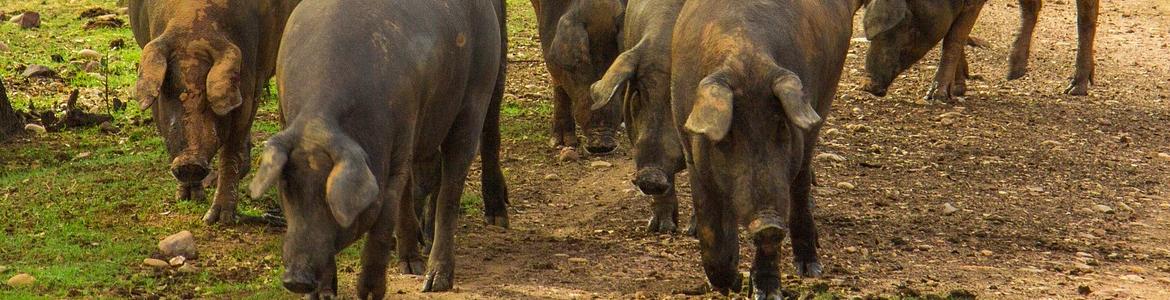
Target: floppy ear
{"x":798,"y":108}
{"x":623,"y":68}
{"x":711,"y":115}
{"x":223,"y":81}
{"x":351,"y":187}
{"x":883,"y":15}
{"x":152,"y":70}
{"x":271,"y":167}
{"x":570,"y":47}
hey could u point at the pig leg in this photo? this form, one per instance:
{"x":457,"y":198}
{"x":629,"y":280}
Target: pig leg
{"x":376,"y":254}
{"x":800,"y":222}
{"x":564,"y":133}
{"x":406,"y":231}
{"x":1087,"y":11}
{"x":952,"y":54}
{"x":665,"y":219}
{"x":231,"y":157}
{"x":959,"y":88}
{"x":426,"y":176}
{"x":327,"y":287}
{"x":767,"y":234}
{"x":495,"y":189}
{"x":459,"y":150}
{"x":1022,"y":48}
{"x":718,"y":239}
{"x":190,"y":192}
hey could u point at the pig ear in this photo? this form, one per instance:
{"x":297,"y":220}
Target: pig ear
{"x":619,"y":73}
{"x":271,"y":167}
{"x":883,"y":15}
{"x":223,"y":81}
{"x":152,"y":70}
{"x":570,"y":47}
{"x":797,"y":107}
{"x":351,"y":187}
{"x":711,"y":115}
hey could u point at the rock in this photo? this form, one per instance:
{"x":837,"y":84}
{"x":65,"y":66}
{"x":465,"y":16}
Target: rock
{"x":1084,"y":254}
{"x":1136,"y":269}
{"x":21,"y":280}
{"x":83,"y":155}
{"x":3,"y":47}
{"x":1125,"y":207}
{"x":552,"y":177}
{"x":34,"y":128}
{"x":568,"y":154}
{"x":177,"y":261}
{"x":1134,"y":278}
{"x":27,"y":20}
{"x":179,"y":244}
{"x":89,"y":54}
{"x":986,"y":253}
{"x":845,"y":186}
{"x":38,"y":71}
{"x":600,"y":164}
{"x":188,"y":268}
{"x":1164,"y":156}
{"x":122,"y":10}
{"x":830,"y":157}
{"x":851,"y":249}
{"x":1082,"y":267}
{"x":1084,"y":290}
{"x":156,"y":263}
{"x":949,"y":209}
{"x":858,"y":128}
{"x":578,"y":260}
{"x":1102,"y":209}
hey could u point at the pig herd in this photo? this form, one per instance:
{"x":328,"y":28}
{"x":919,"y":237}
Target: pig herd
{"x":385,"y":104}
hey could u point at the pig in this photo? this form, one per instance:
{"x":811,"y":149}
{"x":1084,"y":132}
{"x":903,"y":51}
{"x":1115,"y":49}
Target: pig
{"x":903,"y":31}
{"x":644,"y":67}
{"x":751,"y":82}
{"x":579,"y":39}
{"x":366,"y":101}
{"x":204,"y":66}
{"x":1087,"y":11}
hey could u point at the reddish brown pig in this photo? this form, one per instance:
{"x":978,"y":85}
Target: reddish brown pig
{"x":1087,"y":11}
{"x":204,"y":65}
{"x":751,"y":82}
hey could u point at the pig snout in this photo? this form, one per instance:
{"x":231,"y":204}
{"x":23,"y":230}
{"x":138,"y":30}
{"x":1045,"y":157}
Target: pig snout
{"x":652,"y":181}
{"x":875,"y":88}
{"x":190,"y":168}
{"x":601,"y":142}
{"x":299,"y":281}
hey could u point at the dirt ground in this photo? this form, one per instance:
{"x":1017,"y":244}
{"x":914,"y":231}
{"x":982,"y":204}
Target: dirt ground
{"x":1024,"y":165}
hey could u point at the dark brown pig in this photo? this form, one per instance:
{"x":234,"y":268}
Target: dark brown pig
{"x":1087,"y":11}
{"x":903,"y":31}
{"x":644,"y":67}
{"x":751,"y":82}
{"x":398,"y":82}
{"x":580,"y":41}
{"x":204,"y":65}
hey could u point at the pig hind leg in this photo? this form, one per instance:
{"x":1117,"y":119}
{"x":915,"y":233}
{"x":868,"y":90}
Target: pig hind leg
{"x":564,"y":128}
{"x":802,"y":225}
{"x":953,"y":54}
{"x":1087,"y":11}
{"x":495,"y":189}
{"x":1022,"y":48}
{"x":458,"y":151}
{"x":407,"y":229}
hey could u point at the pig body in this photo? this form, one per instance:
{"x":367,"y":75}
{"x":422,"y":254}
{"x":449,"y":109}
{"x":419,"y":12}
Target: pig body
{"x":580,"y":41}
{"x":751,"y":81}
{"x":903,"y":31}
{"x":367,"y":100}
{"x":1087,"y":11}
{"x":640,"y":76}
{"x":204,"y":66}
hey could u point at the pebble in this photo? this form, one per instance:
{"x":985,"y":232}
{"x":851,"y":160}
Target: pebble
{"x":179,"y":244}
{"x":154,"y":262}
{"x":1084,"y":254}
{"x":27,"y":20}
{"x":1102,"y":209}
{"x":845,"y":185}
{"x":21,"y":280}
{"x":1082,"y":266}
{"x":568,"y":154}
{"x":1136,"y":269}
{"x":600,"y":164}
{"x":90,"y":54}
{"x":35,"y":71}
{"x":1164,"y":156}
{"x":552,"y":177}
{"x":986,"y":253}
{"x":187,"y":268}
{"x":1084,"y":290}
{"x":851,"y":249}
{"x":1125,"y":207}
{"x":177,"y":261}
{"x":830,"y":157}
{"x":1134,"y":278}
{"x":949,"y":209}
{"x":38,"y":129}
{"x":83,"y":155}
{"x":3,"y":47}
{"x":858,"y":128}
{"x":578,"y":260}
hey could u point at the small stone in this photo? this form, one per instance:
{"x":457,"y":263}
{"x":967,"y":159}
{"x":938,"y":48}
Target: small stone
{"x":38,"y":71}
{"x":177,"y":261}
{"x":1083,"y":267}
{"x":122,"y":10}
{"x":986,"y":253}
{"x":552,"y":177}
{"x":1102,"y":209}
{"x":1136,"y":269}
{"x":1134,"y":278}
{"x":83,"y":155}
{"x":949,"y":209}
{"x":3,"y":47}
{"x":1164,"y":156}
{"x":851,"y":249}
{"x":1125,"y":207}
{"x":89,"y":54}
{"x":34,"y":128}
{"x":156,"y":263}
{"x":568,"y":154}
{"x":179,"y":244}
{"x":578,"y":260}
{"x":21,"y":280}
{"x":1084,"y":290}
{"x":1084,"y":254}
{"x":27,"y":20}
{"x":600,"y":164}
{"x":830,"y":157}
{"x":845,"y":186}
{"x":858,"y":128}
{"x":188,"y":268}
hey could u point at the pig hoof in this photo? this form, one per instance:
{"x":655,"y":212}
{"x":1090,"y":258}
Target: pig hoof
{"x":811,"y":269}
{"x":1077,"y":89}
{"x":220,"y":216}
{"x":662,"y":225}
{"x":190,"y":193}
{"x":693,"y":231}
{"x":438,"y":281}
{"x":501,"y":221}
{"x":412,"y":267}
{"x":774,"y":294}
{"x":1017,"y":73}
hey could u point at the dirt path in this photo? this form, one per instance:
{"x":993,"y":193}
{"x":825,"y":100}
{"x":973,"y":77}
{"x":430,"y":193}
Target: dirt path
{"x":1025,"y":166}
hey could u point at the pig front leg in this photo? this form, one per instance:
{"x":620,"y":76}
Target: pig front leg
{"x":1087,"y":11}
{"x":233,"y":165}
{"x":459,"y":150}
{"x":1022,"y":48}
{"x":718,"y":235}
{"x":768,"y":235}
{"x":665,"y":218}
{"x":564,"y":130}
{"x":190,"y":191}
{"x":406,"y":231}
{"x":376,"y":254}
{"x":952,"y":54}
